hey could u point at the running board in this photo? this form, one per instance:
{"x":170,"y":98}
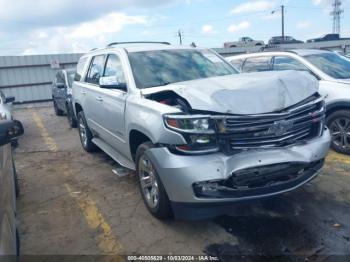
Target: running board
{"x":114,"y":154}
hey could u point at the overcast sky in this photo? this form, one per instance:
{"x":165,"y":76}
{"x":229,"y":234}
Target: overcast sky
{"x":56,"y":26}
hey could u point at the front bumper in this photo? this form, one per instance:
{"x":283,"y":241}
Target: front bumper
{"x":179,"y":173}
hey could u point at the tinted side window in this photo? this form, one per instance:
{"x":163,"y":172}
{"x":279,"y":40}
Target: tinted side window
{"x":257,"y":64}
{"x":287,"y":63}
{"x":96,"y":69}
{"x":114,"y":68}
{"x":80,"y":68}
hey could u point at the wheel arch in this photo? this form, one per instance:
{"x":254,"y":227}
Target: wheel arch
{"x":77,"y":108}
{"x":337,"y":106}
{"x":136,"y":138}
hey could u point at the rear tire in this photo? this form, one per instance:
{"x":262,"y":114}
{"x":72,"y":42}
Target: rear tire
{"x":85,"y":134}
{"x":339,"y":127}
{"x":151,"y":187}
{"x":58,"y":111}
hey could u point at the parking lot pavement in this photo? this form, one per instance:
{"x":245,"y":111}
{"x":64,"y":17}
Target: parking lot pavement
{"x":72,"y":203}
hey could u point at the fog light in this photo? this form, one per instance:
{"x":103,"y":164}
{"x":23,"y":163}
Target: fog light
{"x":200,"y":139}
{"x":206,"y":189}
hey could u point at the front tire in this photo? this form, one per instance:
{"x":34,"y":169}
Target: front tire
{"x":339,"y":126}
{"x":85,"y":134}
{"x":151,"y":187}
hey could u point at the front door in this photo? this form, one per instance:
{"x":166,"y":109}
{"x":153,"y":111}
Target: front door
{"x":112,"y":106}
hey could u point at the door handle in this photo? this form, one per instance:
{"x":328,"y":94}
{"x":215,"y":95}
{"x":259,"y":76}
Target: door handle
{"x":99,"y":99}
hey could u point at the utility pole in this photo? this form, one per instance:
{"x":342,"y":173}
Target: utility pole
{"x":336,"y":13}
{"x":180,"y":35}
{"x":282,"y":10}
{"x":282,"y":16}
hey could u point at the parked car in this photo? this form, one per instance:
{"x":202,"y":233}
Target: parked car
{"x":6,"y":106}
{"x":244,"y":42}
{"x":331,"y":69}
{"x":327,"y":37}
{"x":9,"y":239}
{"x":62,"y":93}
{"x":200,"y":136}
{"x":278,"y":40}
{"x":6,"y":114}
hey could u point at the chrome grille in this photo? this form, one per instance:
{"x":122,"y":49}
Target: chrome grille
{"x":296,"y":124}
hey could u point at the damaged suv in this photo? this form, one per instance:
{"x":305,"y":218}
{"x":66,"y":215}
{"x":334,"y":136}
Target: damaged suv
{"x":199,"y":135}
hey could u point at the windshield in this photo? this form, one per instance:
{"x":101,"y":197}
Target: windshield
{"x":163,"y":67}
{"x":332,"y":64}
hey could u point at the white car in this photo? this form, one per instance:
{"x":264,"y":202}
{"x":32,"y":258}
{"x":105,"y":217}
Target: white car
{"x":244,"y":42}
{"x":331,"y":69}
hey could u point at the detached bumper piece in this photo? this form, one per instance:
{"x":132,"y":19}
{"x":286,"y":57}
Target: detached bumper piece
{"x":259,"y":181}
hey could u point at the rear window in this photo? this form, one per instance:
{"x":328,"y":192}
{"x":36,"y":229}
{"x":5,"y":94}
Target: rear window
{"x":257,"y":64}
{"x":287,"y":63}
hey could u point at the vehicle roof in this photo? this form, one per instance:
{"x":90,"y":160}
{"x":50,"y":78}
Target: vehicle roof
{"x":143,"y":47}
{"x":305,"y":52}
{"x":300,"y":52}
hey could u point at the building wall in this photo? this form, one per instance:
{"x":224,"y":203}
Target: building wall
{"x":29,"y":78}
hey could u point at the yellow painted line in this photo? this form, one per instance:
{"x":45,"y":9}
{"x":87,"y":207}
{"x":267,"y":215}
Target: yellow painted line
{"x":107,"y":243}
{"x":50,"y":143}
{"x":336,"y":157}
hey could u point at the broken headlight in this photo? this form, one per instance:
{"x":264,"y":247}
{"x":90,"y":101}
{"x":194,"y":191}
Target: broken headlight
{"x":198,"y":131}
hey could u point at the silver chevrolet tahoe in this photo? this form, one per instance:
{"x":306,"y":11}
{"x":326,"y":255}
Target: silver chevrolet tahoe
{"x":200,"y":136}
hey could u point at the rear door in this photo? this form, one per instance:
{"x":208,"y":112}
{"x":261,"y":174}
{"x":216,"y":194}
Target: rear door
{"x":111,"y":105}
{"x":92,"y":93}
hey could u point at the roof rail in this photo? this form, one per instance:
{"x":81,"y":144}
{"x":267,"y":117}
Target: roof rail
{"x":138,"y":42}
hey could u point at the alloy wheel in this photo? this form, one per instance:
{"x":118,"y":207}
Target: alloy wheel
{"x":340,"y":131}
{"x":148,"y":181}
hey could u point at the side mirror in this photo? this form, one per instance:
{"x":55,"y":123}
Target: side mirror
{"x":111,"y":82}
{"x":60,"y":85}
{"x":10,"y":99}
{"x":10,"y":130}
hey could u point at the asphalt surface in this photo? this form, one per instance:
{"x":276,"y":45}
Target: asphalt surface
{"x":71,"y":203}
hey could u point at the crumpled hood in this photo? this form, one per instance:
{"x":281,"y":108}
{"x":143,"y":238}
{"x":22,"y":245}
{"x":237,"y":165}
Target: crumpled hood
{"x":252,"y":93}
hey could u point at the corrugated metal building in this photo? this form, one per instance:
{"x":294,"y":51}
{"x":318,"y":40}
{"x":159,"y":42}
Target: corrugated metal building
{"x":29,"y":78}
